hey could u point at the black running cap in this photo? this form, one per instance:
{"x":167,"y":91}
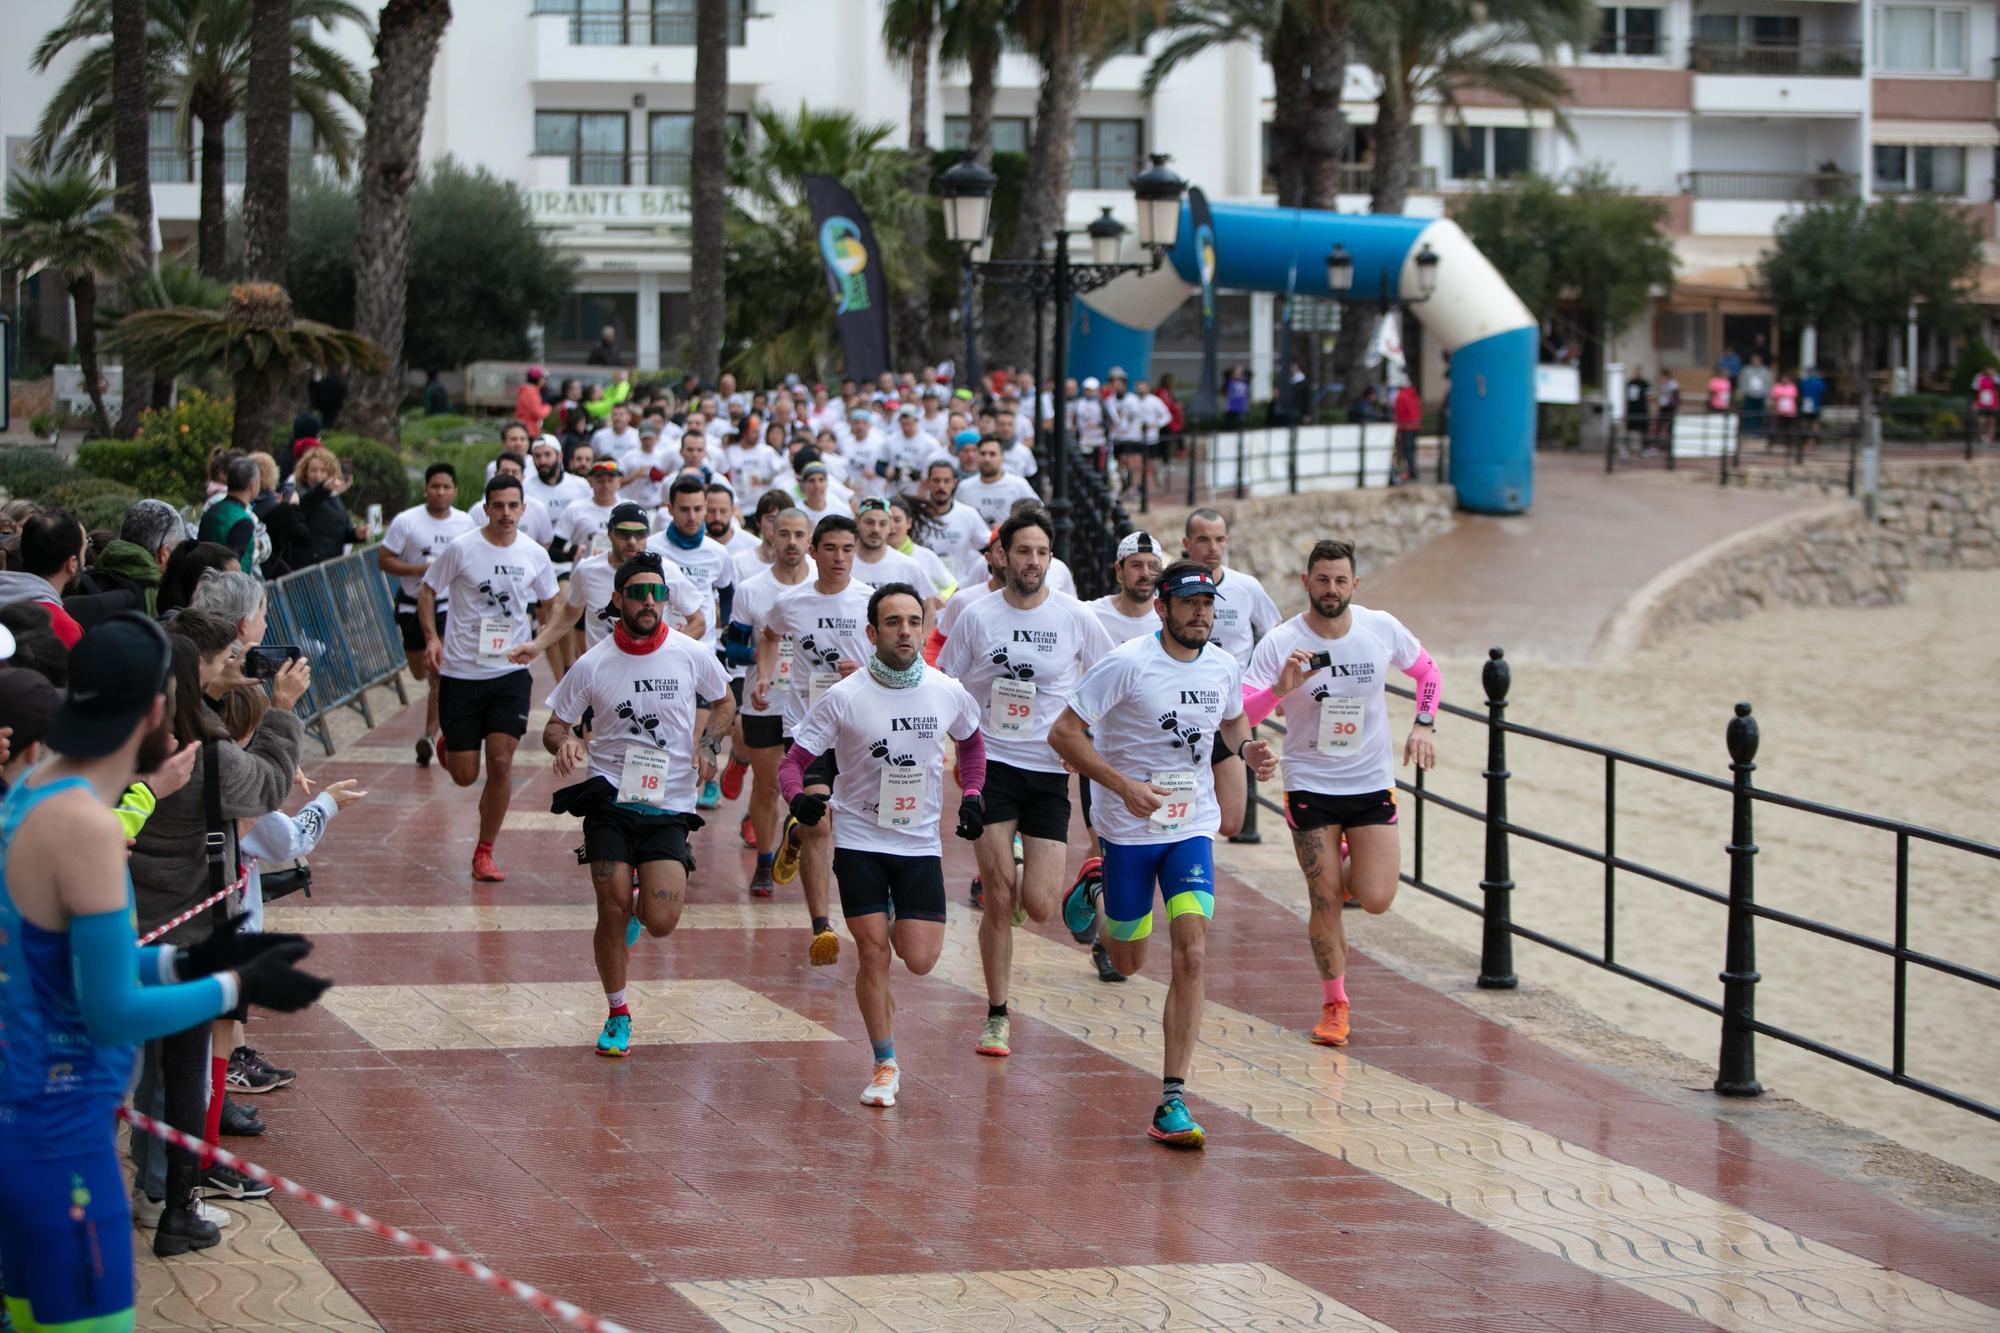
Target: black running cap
{"x":1193,"y":583}
{"x":116,"y":671}
{"x":628,"y":515}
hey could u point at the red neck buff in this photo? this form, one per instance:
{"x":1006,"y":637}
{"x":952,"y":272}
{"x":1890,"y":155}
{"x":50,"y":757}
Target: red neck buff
{"x":636,"y":646}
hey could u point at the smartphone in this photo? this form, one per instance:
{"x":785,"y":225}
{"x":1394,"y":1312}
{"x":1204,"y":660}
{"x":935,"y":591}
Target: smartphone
{"x":264,"y":661}
{"x":1319,"y":661}
{"x":375,"y":520}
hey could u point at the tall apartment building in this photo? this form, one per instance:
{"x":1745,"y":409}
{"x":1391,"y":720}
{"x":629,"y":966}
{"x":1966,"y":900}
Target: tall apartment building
{"x":1731,"y":111}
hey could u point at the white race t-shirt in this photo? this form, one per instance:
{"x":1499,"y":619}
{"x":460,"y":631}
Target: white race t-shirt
{"x":583,"y":522}
{"x":994,"y":500}
{"x":1020,"y":458}
{"x":752,"y":469}
{"x":738,"y":541}
{"x":892,"y":566}
{"x":967,"y":594}
{"x":606,"y":443}
{"x":535,"y":524}
{"x":1020,"y":667}
{"x":958,"y":539}
{"x":417,"y":537}
{"x":646,"y":702}
{"x":881,"y":736}
{"x":1152,"y":716}
{"x":1121,"y":626}
{"x":590,"y":588}
{"x":1244,"y":613}
{"x":1337,"y":740}
{"x":752,"y":607}
{"x":824,"y":629}
{"x":570,"y":489}
{"x":909,"y":455}
{"x":707,"y":566}
{"x":488,"y":582}
{"x":749,"y":563}
{"x":641,"y":487}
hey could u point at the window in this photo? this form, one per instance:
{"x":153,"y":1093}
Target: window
{"x":1624,"y":31}
{"x":583,"y":315}
{"x":1107,"y":154}
{"x":670,"y":144}
{"x":1684,"y":337}
{"x":168,"y":161}
{"x":1919,"y":169}
{"x":593,"y":141}
{"x":1774,"y":30}
{"x":1010,"y":133}
{"x":1481,"y":152}
{"x":1920,"y":39}
{"x":673,"y":22}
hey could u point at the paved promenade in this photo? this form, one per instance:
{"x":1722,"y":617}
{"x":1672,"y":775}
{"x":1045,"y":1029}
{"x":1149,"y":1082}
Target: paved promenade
{"x":1442,"y":1173}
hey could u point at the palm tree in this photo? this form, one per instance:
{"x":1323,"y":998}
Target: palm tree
{"x":908,"y":29}
{"x":406,"y":43}
{"x":168,"y":283}
{"x":709,"y":166}
{"x":973,"y":36}
{"x":131,"y":104}
{"x":64,"y":223}
{"x":780,"y":315}
{"x":197,"y":63}
{"x":267,"y":142}
{"x":253,"y":339}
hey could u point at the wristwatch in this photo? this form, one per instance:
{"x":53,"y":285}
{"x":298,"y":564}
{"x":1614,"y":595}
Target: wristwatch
{"x":1426,"y":720}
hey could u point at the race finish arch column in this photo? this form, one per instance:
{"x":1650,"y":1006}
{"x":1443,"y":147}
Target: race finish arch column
{"x":1474,"y":315}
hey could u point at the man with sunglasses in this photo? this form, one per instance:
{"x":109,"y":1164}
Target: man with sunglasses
{"x":589,"y":599}
{"x":654,"y":698}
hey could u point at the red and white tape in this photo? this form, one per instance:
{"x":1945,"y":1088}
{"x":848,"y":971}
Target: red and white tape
{"x":194,"y":911}
{"x":573,"y":1315}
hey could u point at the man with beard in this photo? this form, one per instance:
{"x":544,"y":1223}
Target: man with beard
{"x":1139,"y":726}
{"x":884,"y":729}
{"x":760,"y":733}
{"x":588,"y":598}
{"x":1244,"y":613}
{"x":876,"y":562}
{"x":498,"y":582}
{"x":555,"y":490}
{"x":1019,"y":653}
{"x":994,"y":492}
{"x":722,"y":523}
{"x":657,"y":701}
{"x":1326,"y":667}
{"x":414,"y":539}
{"x":584,"y":522}
{"x":706,"y":562}
{"x":957,"y":534}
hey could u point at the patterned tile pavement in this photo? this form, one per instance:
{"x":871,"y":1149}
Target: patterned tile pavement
{"x":1443,"y":1173}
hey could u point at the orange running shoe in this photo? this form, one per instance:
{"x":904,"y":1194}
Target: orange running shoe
{"x":1332,"y":1029}
{"x":732,"y":780}
{"x":484,"y":870}
{"x":747,"y":828}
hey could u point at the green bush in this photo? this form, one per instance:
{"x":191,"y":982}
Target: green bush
{"x":45,"y":424}
{"x":169,"y":456}
{"x":421,"y":433}
{"x":380,"y":476}
{"x":470,"y":460}
{"x":98,"y":501}
{"x":30,"y":473}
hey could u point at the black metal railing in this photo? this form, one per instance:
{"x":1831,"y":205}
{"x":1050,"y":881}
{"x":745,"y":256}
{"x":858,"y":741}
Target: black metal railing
{"x":1830,"y":60}
{"x":667,"y":26}
{"x":1736,"y":1071}
{"x":1628,"y":44}
{"x":1769,"y":185}
{"x":1742,"y":439}
{"x":1098,"y":523}
{"x":1359,"y":178}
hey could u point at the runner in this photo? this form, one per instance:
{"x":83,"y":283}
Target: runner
{"x":1326,"y":668}
{"x":826,"y":619}
{"x":906,"y":515}
{"x":722,"y":523}
{"x":1020,"y":652}
{"x":414,"y":539}
{"x":584,"y":522}
{"x":877,"y":563}
{"x":884,"y":729}
{"x":556,"y":490}
{"x":760,"y":729}
{"x":1153,"y":704}
{"x":957,"y":533}
{"x":995,"y":491}
{"x":77,"y":993}
{"x":587,"y":597}
{"x":1244,"y":613}
{"x":658,"y":701}
{"x":492,"y":576}
{"x":685,"y":542}
{"x":536,"y":524}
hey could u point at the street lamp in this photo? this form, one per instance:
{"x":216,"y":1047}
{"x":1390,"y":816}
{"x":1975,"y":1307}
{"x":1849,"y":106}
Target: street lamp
{"x":1339,"y":270}
{"x":967,"y":190}
{"x":1107,"y":235}
{"x":1159,"y":189}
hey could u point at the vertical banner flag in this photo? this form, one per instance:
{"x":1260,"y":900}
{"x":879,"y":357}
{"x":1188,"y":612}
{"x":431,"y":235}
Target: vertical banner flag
{"x":854,"y":277}
{"x":1204,"y":257}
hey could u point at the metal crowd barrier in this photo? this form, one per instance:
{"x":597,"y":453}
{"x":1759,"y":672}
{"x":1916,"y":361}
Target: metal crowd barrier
{"x":341,"y":614}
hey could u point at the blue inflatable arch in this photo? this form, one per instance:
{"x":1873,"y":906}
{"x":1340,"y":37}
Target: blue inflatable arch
{"x":1474,"y":314}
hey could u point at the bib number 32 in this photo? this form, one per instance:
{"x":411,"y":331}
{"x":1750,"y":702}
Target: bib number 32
{"x":899,"y":800}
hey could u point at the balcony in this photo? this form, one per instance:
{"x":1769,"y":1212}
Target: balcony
{"x":641,"y":47}
{"x":1814,"y":60}
{"x":664,"y":26}
{"x":1359,"y":177}
{"x":1796,"y":79}
{"x":1751,"y":203}
{"x":1639,"y":45}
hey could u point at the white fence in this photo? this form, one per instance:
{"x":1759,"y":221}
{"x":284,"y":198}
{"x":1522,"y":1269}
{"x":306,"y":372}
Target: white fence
{"x":1329,"y":458}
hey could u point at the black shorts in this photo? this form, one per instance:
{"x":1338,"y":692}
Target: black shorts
{"x":1083,"y":800}
{"x":471,"y":710}
{"x":626,"y":836}
{"x":761,"y":733}
{"x":1306,"y":810}
{"x":413,"y":631}
{"x":874,"y":881}
{"x":1040,"y":801}
{"x":736,"y":690}
{"x":1220,"y":751}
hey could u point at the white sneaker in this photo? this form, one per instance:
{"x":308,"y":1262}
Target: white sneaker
{"x":209,"y":1213}
{"x":881,"y":1090}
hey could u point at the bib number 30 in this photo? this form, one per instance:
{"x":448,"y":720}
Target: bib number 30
{"x":1341,"y":724}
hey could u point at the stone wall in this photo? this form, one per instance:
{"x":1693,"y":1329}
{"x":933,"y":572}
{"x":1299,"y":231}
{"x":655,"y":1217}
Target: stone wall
{"x":1828,"y":555}
{"x":1943,"y":514}
{"x":1270,"y":537}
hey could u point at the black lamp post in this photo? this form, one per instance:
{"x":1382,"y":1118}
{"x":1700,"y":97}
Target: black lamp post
{"x":967,"y":191}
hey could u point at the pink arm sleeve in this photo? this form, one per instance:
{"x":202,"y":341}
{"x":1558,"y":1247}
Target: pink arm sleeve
{"x":1425,"y":673}
{"x":1260,"y":704}
{"x":792,"y":772}
{"x":972,"y":764}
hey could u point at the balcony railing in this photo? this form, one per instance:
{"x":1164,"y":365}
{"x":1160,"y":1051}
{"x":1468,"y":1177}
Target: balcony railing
{"x":1628,"y":44}
{"x":1769,"y":185}
{"x":663,"y":27}
{"x":1833,"y":60}
{"x":1359,"y":178}
{"x":178,"y":166}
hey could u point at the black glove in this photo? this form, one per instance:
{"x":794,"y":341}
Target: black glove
{"x":226,"y":949}
{"x":971,"y":818}
{"x":808,"y":809}
{"x":270,"y":980}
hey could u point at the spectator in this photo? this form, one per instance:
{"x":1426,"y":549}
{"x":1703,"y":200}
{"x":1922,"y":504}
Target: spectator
{"x":236,"y":598}
{"x":219,"y":460}
{"x":228,"y":520}
{"x":1812,"y":397}
{"x":606,"y":352}
{"x":320,"y":484}
{"x":529,"y":409}
{"x":1784,"y":409}
{"x":1366,"y":408}
{"x":1720,"y":389}
{"x":36,"y":647}
{"x":1986,"y":401}
{"x":127,"y":576}
{"x":1755,"y":384}
{"x":1235,"y":398}
{"x":1666,"y":407}
{"x":51,"y":558}
{"x":268,"y":481}
{"x":326,"y":393}
{"x":1638,"y":411}
{"x":27,"y":702}
{"x":1409,"y":420}
{"x":1730,"y":365}
{"x":305,"y":426}
{"x":437,"y":398}
{"x":184,"y":570}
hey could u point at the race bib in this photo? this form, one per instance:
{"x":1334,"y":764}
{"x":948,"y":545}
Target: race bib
{"x":1010,"y":708}
{"x":785,"y":660}
{"x":899,"y":800}
{"x":1176,"y":812}
{"x":1340,"y":720}
{"x":643,"y":780}
{"x":818,"y":683}
{"x":496,"y":636}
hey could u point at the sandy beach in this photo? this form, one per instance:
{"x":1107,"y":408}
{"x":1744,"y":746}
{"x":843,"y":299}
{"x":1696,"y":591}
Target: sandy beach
{"x":1886,"y":711}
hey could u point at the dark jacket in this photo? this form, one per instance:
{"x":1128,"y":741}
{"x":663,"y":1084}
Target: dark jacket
{"x":327,"y":520}
{"x":125,"y":578}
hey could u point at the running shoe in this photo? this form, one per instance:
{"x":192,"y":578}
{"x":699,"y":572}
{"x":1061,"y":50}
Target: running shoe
{"x":786,"y":868}
{"x":251,"y":1072}
{"x":229,"y":1181}
{"x":882,"y":1089}
{"x":993,"y":1037}
{"x":424,"y":751}
{"x":484,"y":870}
{"x":748,"y":830}
{"x":239,"y":1121}
{"x":1106,"y":969}
{"x":1332,"y":1028}
{"x":978,"y":895}
{"x":616,"y":1039}
{"x":1173,"y":1126}
{"x":1079,"y":907}
{"x":761,"y":885}
{"x":732,"y":780}
{"x":711,"y":796}
{"x":824,"y":949}
{"x":633,"y":930}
